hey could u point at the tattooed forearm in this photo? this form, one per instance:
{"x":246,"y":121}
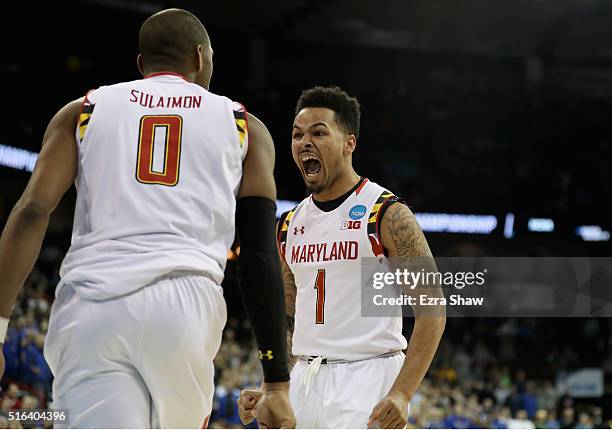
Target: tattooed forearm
{"x":290,"y":289}
{"x":290,"y":323}
{"x":290,"y":294}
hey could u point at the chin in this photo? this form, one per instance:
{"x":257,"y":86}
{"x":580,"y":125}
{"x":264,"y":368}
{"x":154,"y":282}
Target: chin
{"x":314,"y":187}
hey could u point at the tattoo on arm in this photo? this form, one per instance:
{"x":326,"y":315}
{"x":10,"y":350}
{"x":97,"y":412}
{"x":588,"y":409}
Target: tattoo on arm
{"x":405,"y":233}
{"x":290,"y":323}
{"x":290,"y":289}
{"x":290,"y":294}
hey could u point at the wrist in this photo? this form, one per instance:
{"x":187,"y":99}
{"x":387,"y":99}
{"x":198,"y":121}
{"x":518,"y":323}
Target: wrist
{"x":270,"y":387}
{"x":401,"y":394}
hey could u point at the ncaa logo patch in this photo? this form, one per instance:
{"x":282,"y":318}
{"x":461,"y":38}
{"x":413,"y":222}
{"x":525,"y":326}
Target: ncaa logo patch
{"x":357,"y":212}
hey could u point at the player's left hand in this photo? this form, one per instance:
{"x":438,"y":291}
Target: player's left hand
{"x":391,"y":412}
{"x":247,"y":405}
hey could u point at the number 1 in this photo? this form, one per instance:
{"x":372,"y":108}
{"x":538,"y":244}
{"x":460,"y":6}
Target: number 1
{"x":320,"y":287}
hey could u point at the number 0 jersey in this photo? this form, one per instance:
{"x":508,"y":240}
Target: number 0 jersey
{"x":159,"y":167}
{"x":324,"y":252}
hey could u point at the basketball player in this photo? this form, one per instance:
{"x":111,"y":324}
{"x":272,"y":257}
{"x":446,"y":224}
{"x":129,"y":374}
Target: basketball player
{"x":350,"y":370}
{"x":158,"y":164}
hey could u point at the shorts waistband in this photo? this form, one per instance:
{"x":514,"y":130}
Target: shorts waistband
{"x":324,"y":360}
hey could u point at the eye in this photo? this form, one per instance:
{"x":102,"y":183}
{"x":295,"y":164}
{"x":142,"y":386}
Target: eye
{"x":320,"y":133}
{"x":297,"y":135}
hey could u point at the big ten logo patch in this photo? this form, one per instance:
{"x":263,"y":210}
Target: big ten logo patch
{"x":350,"y":225}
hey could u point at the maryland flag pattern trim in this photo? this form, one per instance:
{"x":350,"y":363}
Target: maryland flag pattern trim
{"x":282,"y":233}
{"x":385,"y":198}
{"x":85,"y":116}
{"x":242,"y":125}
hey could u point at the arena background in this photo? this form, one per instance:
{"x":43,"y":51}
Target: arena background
{"x":491,"y":118}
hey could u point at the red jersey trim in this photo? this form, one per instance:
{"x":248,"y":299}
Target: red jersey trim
{"x":358,"y":190}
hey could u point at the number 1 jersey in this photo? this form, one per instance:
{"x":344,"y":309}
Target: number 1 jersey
{"x":159,"y":167}
{"x":325,"y":252}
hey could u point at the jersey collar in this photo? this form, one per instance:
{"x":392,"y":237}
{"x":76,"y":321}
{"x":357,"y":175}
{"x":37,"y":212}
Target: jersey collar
{"x":152,"y":75}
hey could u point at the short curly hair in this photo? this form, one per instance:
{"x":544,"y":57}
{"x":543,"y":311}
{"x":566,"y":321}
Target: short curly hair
{"x":346,"y":108}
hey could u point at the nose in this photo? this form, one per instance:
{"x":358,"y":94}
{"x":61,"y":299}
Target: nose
{"x":305,"y":142}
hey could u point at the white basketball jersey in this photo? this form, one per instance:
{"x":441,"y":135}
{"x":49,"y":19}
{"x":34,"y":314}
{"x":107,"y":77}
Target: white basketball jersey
{"x":159,"y":167}
{"x":324,"y":252}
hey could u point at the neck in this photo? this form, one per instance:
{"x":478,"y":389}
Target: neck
{"x":190,"y":76}
{"x":340,"y":186}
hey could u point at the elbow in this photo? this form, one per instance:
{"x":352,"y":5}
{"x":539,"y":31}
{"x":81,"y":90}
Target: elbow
{"x":30,"y":213}
{"x":441,"y":323}
{"x":434,"y":318}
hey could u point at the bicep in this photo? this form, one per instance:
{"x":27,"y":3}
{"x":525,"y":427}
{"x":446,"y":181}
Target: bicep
{"x":56,"y":166}
{"x":401,"y":234}
{"x":258,"y":166}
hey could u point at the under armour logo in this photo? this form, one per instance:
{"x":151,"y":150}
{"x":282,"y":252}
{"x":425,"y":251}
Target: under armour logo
{"x":268,"y":355}
{"x":301,"y":230}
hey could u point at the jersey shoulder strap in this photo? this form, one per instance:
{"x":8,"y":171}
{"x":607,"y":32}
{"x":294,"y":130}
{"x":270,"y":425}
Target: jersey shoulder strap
{"x":283,"y":227}
{"x":385,"y":199}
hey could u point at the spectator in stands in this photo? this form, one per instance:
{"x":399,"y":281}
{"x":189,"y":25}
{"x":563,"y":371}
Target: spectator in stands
{"x":521,"y":421}
{"x":568,"y":418}
{"x":225,"y":410}
{"x":584,"y":421}
{"x":552,"y":422}
{"x":459,"y":419}
{"x":36,"y":371}
{"x":12,"y":351}
{"x":529,"y":400}
{"x":541,"y":419}
{"x":501,"y":422}
{"x":514,"y":401}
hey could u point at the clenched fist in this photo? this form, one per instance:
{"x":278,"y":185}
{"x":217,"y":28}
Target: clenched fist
{"x":391,"y":412}
{"x":269,"y":405}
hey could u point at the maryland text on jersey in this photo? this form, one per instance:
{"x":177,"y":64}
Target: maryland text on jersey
{"x":346,"y":250}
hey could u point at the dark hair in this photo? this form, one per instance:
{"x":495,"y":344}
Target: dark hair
{"x":170,"y":36}
{"x":346,"y":108}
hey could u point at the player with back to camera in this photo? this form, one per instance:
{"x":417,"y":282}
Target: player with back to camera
{"x":350,"y":370}
{"x":161,"y":166}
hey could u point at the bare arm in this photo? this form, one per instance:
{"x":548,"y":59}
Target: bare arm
{"x":404,"y":240}
{"x":407,"y":249}
{"x":27,"y":224}
{"x":258,"y":167}
{"x":261,"y":280}
{"x":290,"y":295}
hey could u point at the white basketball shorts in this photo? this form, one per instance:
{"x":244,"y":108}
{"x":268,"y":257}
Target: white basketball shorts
{"x":341,"y":395}
{"x":137,"y":361}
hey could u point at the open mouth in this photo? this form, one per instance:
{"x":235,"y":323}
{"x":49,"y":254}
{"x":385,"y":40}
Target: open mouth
{"x":311,"y":164}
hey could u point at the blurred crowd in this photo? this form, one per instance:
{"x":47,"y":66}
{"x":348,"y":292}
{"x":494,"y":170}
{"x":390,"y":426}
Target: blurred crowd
{"x":488,"y":373}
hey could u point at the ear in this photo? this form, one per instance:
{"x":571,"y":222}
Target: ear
{"x":199,"y":58}
{"x":140,"y":64}
{"x":350,"y":144}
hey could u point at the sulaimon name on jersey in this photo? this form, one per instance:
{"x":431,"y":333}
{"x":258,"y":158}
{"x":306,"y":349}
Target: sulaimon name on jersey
{"x":153,"y":101}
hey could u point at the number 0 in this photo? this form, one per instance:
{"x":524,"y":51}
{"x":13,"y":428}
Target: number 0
{"x":320,"y":287}
{"x":172,"y":125}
